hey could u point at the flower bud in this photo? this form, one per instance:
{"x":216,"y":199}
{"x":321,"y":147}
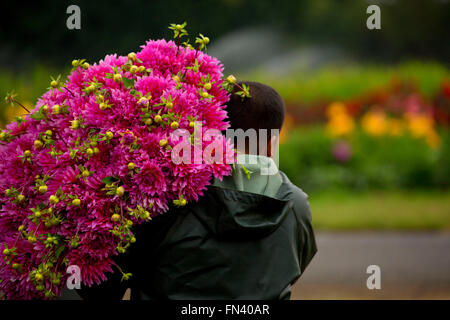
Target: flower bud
{"x":131,"y":166}
{"x":120,"y":191}
{"x":117,"y":78}
{"x":158,"y":118}
{"x":174,"y":125}
{"x":43,"y":189}
{"x":163,"y":142}
{"x":132,"y":56}
{"x":85,"y":173}
{"x":27,"y":153}
{"x":53,"y":199}
{"x":109,"y":134}
{"x":115,"y":217}
{"x":56,"y":109}
{"x":75,"y":124}
{"x":38,"y":144}
{"x":133,"y":69}
{"x":207,"y":86}
{"x":89,"y":152}
{"x":231,"y":79}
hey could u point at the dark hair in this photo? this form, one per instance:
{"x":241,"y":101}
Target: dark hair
{"x":263,"y":110}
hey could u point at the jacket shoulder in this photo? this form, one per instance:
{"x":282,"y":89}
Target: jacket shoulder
{"x":299,"y":199}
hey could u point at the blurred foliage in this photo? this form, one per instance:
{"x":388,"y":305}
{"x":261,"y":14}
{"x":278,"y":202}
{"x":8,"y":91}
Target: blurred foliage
{"x":347,"y":81}
{"x":381,"y":210}
{"x":311,"y":158}
{"x":36,"y":31}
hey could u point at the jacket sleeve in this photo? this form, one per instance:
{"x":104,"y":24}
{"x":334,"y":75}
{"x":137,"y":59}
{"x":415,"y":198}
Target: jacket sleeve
{"x":307,"y":247}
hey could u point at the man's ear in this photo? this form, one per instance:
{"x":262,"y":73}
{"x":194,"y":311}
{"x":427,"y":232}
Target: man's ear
{"x":272,"y":145}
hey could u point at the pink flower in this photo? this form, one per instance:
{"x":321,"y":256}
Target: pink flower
{"x":58,"y":195}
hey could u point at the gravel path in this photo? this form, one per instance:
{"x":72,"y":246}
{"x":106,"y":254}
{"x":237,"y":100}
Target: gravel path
{"x":414,"y":265}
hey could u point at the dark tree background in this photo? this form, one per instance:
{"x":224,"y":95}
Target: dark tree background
{"x":36,"y":31}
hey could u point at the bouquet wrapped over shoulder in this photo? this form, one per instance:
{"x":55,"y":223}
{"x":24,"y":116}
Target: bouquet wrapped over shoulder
{"x":95,"y":156}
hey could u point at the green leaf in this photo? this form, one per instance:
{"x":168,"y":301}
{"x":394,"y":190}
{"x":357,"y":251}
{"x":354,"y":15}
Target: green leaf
{"x":59,"y":250}
{"x":128,"y":83}
{"x":109,"y":180}
{"x":37,"y":116}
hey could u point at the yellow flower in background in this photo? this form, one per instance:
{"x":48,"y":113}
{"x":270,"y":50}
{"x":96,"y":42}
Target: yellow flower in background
{"x":395,"y":127}
{"x":375,"y":123}
{"x":421,"y":125}
{"x":335,"y":109}
{"x":287,"y":126}
{"x":340,"y":122}
{"x":433,"y":139}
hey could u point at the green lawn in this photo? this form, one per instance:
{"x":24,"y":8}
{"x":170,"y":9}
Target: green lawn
{"x":381,"y":210}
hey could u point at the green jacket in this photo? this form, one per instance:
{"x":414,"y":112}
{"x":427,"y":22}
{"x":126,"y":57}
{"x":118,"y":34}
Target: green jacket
{"x":231,"y":244}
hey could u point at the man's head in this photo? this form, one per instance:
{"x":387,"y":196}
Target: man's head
{"x":264,"y":110}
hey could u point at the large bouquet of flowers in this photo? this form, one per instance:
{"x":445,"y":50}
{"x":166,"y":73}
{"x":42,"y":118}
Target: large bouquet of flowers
{"x":94,"y":157}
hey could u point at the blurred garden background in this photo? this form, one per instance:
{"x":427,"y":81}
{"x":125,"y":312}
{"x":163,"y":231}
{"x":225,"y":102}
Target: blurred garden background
{"x":367,"y":132}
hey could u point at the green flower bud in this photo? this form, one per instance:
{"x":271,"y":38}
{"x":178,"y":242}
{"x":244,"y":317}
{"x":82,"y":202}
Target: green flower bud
{"x":120,"y":191}
{"x":131,"y":166}
{"x":133,"y":69}
{"x":115,"y":217}
{"x":207,"y":86}
{"x":53,"y":199}
{"x":231,"y":79}
{"x":158,"y":118}
{"x":174,"y":125}
{"x":76,"y":202}
{"x":43,"y":189}
{"x":89,"y":152}
{"x":163,"y":142}
{"x":56,"y":109}
{"x":109,"y":134}
{"x":117,"y":78}
{"x":38,"y":144}
{"x":132,"y":56}
{"x":75,"y":124}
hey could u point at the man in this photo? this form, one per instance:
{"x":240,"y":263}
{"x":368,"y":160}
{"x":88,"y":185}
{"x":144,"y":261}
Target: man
{"x":248,"y":237}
